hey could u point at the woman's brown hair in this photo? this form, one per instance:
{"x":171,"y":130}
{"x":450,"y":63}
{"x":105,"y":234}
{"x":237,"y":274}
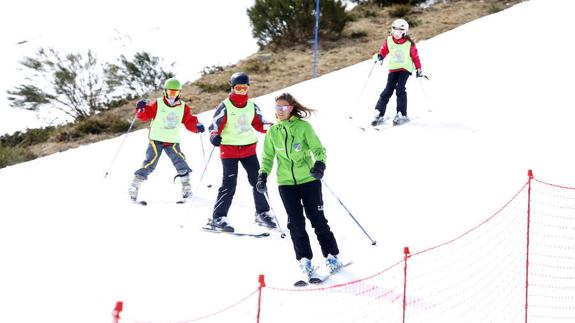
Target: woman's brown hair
{"x":298,"y":110}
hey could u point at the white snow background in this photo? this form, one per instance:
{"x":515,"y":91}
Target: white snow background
{"x":500,"y":97}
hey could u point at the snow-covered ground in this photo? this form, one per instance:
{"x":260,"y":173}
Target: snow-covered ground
{"x":72,"y":245}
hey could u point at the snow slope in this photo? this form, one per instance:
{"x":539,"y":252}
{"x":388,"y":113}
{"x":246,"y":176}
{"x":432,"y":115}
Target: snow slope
{"x":72,"y":245}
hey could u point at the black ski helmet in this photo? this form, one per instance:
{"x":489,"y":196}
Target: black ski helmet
{"x":239,"y":78}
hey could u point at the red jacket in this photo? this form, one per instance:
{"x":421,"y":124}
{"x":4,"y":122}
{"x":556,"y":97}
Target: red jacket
{"x":189,"y":120}
{"x":220,"y":119}
{"x":384,"y":50}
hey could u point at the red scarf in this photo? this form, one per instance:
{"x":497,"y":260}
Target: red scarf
{"x":239,"y":100}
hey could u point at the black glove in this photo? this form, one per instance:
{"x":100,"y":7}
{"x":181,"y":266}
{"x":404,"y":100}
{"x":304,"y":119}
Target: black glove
{"x":200,"y":127}
{"x":261,"y":184}
{"x":141,"y":106}
{"x":216,"y":139}
{"x":317,"y":170}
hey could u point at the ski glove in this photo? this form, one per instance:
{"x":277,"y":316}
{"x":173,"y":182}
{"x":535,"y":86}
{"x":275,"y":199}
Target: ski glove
{"x":200,"y":127}
{"x":216,"y":139}
{"x":261,"y":184}
{"x":141,"y":106}
{"x":377,"y":57}
{"x":419,"y":73}
{"x":317,"y":170}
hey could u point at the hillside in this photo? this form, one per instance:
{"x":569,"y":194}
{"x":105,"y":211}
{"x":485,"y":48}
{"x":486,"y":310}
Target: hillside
{"x":271,"y":70}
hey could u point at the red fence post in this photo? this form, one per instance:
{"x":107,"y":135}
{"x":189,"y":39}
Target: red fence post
{"x":262,"y":282}
{"x":406,"y":254}
{"x":530,"y":175}
{"x":116,"y":313}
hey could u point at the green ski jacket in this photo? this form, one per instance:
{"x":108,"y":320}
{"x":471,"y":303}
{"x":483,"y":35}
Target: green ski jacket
{"x":293,"y":142}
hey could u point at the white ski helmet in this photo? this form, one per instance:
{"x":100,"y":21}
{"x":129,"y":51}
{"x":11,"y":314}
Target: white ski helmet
{"x":399,"y":28}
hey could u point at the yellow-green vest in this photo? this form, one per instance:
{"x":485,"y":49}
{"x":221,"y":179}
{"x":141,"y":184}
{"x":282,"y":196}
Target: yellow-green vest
{"x":238,"y":130}
{"x":166,"y":125}
{"x":399,"y":55}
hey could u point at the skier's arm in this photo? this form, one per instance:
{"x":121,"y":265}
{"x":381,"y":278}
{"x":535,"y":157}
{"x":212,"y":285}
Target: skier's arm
{"x":384,"y":50}
{"x":314,"y":144}
{"x":258,"y":120}
{"x":415,"y":56}
{"x":219,"y":120}
{"x":149,"y":112}
{"x":189,"y":120}
{"x":268,"y":154}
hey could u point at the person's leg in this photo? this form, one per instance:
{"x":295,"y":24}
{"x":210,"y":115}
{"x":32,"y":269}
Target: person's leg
{"x":228,"y":189}
{"x":386,"y":94}
{"x":401,"y":93}
{"x":296,"y":221}
{"x":179,"y":161}
{"x":252,"y":167}
{"x":153,"y":154}
{"x":313,"y":205}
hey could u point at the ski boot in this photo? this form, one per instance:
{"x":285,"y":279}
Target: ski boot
{"x":333,"y":264}
{"x":400,"y":119}
{"x":377,"y":118}
{"x":265,"y":219}
{"x":186,"y":187}
{"x":135,"y":187}
{"x":220,"y":224}
{"x":306,"y":268}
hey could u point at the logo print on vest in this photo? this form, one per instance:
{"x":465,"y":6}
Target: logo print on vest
{"x":398,"y":56}
{"x":243,"y":125}
{"x":171,"y":121}
{"x":296,"y":147}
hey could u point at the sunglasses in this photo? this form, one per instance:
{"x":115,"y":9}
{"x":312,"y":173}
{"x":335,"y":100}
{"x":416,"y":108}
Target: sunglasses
{"x":282,"y":107}
{"x":172,"y":93}
{"x":241,"y":87}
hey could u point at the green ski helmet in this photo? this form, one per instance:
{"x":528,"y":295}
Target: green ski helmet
{"x":172,"y":84}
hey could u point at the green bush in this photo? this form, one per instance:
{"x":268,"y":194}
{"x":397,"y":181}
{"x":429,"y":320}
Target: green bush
{"x":27,"y":138}
{"x":400,"y":11}
{"x":13,"y":155}
{"x":95,"y":126}
{"x":289,"y":22}
{"x":256,"y":66}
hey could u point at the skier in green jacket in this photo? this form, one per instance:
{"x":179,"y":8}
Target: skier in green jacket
{"x":301,"y":162}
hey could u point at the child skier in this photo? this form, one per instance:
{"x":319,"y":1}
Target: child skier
{"x":403,"y":55}
{"x":232,"y":130}
{"x":292,"y":141}
{"x":166,"y":114}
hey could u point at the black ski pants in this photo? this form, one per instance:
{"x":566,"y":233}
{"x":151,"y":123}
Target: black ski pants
{"x":229,"y":181}
{"x":395,"y":81}
{"x":308,"y":197}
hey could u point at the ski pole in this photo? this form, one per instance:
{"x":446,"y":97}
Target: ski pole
{"x":283,"y":235}
{"x":204,"y":152}
{"x":425,"y":97}
{"x":121,"y":144}
{"x":205,"y":167}
{"x":340,"y":202}
{"x":364,"y":85}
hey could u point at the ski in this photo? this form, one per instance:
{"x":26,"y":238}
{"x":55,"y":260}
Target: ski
{"x":377,"y":126}
{"x":238,"y":234}
{"x":144,"y":203}
{"x":319,"y":280}
{"x":326,"y":277}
